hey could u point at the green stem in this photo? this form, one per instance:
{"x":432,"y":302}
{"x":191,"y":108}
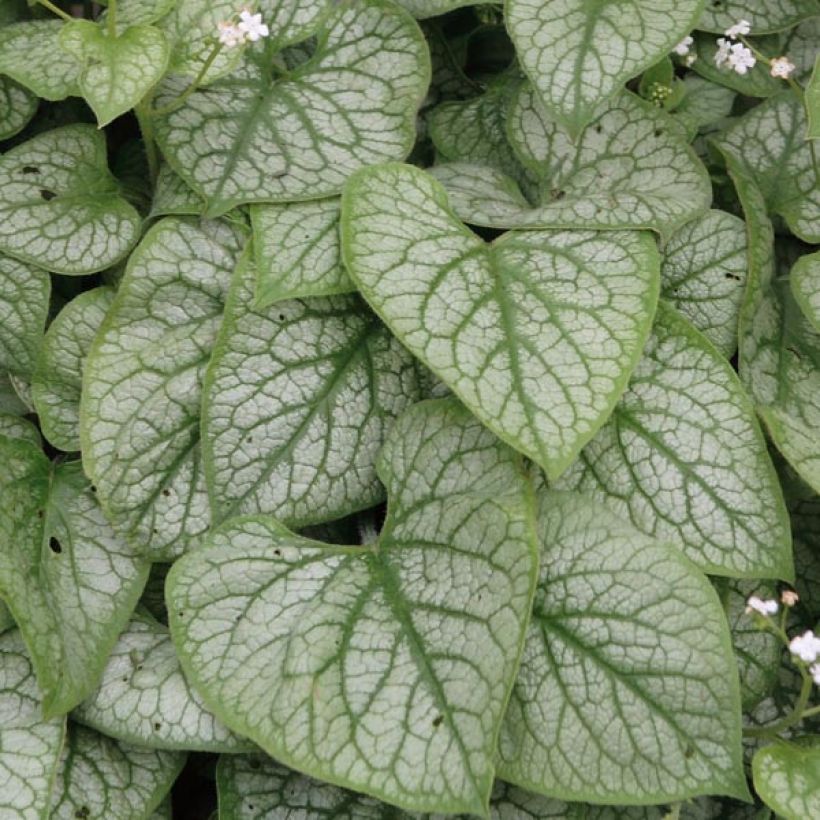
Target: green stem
{"x":47,"y":4}
{"x":112,"y":18}
{"x":174,"y":104}
{"x":146,"y":124}
{"x":794,"y":717}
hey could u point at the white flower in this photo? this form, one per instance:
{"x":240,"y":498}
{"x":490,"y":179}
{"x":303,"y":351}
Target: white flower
{"x":722,"y":54}
{"x":782,"y":67}
{"x":682,"y":48}
{"x":789,"y":597}
{"x":755,"y":604}
{"x":805,"y":646}
{"x":741,"y":58}
{"x":230,"y":35}
{"x":690,"y":59}
{"x":815,"y":672}
{"x":251,"y":26}
{"x":741,"y":28}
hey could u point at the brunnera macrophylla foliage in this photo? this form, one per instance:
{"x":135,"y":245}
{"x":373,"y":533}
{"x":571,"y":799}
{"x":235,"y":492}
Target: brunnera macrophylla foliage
{"x":412,"y":406}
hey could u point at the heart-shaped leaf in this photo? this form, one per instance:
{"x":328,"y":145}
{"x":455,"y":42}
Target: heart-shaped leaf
{"x":143,"y":697}
{"x":117,"y":71}
{"x":17,"y":106}
{"x":297,"y":252}
{"x":68,"y":579}
{"x":297,"y":401}
{"x":630,"y":169}
{"x":100,"y":777}
{"x":24,"y":295}
{"x":30,"y":53}
{"x":579,"y":54}
{"x":29,"y":746}
{"x":703,"y":274}
{"x":139,"y":414}
{"x":324,"y":655}
{"x":57,"y":378}
{"x":60,"y":207}
{"x":536,"y":332}
{"x":628,"y":689}
{"x":271,"y":135}
{"x":683,"y":457}
{"x":16,"y":427}
{"x":805,"y":284}
{"x":786,"y":776}
{"x":768,"y":145}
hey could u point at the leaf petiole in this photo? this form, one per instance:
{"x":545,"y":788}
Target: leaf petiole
{"x":174,"y":104}
{"x":47,"y":4}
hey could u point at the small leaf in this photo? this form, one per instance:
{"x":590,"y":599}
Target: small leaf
{"x":768,"y":144}
{"x":24,"y":295}
{"x":9,"y":400}
{"x":29,"y":746}
{"x":60,"y":207}
{"x":297,"y":252}
{"x":30,"y":53}
{"x":143,"y":697}
{"x":630,"y":169}
{"x":703,"y":274}
{"x":812,"y":97}
{"x":297,"y":401}
{"x":100,"y":777}
{"x":628,"y":690}
{"x":683,"y":458}
{"x":579,"y":54}
{"x":805,"y":284}
{"x":299,"y":134}
{"x":704,"y":103}
{"x":57,"y":378}
{"x":15,"y":427}
{"x":17,"y":106}
{"x":765,"y":15}
{"x":787,"y":777}
{"x":68,"y":579}
{"x":326,"y":655}
{"x":139,"y":414}
{"x":173,"y":197}
{"x":537,"y":332}
{"x":117,"y":71}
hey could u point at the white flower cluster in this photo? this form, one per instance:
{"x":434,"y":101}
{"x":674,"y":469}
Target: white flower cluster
{"x":249,"y":29}
{"x":807,"y":648}
{"x":739,"y":57}
{"x":683,"y":48}
{"x":761,"y":606}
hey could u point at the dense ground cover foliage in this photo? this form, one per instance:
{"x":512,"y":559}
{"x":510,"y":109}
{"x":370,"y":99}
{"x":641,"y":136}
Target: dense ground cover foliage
{"x":409,"y":408}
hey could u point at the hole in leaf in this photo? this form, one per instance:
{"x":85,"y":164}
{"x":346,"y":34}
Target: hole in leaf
{"x":166,"y":493}
{"x":658,"y":132}
{"x":31,"y":169}
{"x":557,"y":194}
{"x":93,"y":488}
{"x":82,"y":812}
{"x":157,"y":726}
{"x":255,"y":764}
{"x":598,"y":128}
{"x":732,"y":276}
{"x":437,"y":721}
{"x":39,"y":513}
{"x":281,"y":317}
{"x":277,"y":552}
{"x":689,"y":751}
{"x":54,"y":545}
{"x":180,"y":614}
{"x":47,"y":195}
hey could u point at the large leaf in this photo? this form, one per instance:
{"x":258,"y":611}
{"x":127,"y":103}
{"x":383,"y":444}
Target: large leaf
{"x":193,"y":26}
{"x":143,"y":697}
{"x":631,"y":168}
{"x":68,"y":579}
{"x":805,"y":285}
{"x":628,"y":690}
{"x":703,"y":275}
{"x":60,"y":206}
{"x":683,"y":457}
{"x":262,"y":135}
{"x":24,"y":295}
{"x":768,"y":144}
{"x":117,"y":71}
{"x":99,"y":777}
{"x":297,"y":254}
{"x":30,"y":53}
{"x":297,"y":401}
{"x":57,"y":378}
{"x":29,"y":746}
{"x":432,"y":8}
{"x":765,"y":15}
{"x":17,"y":106}
{"x":537,"y":332}
{"x":779,"y":351}
{"x":139,"y":414}
{"x":579,"y":54}
{"x":787,"y":777}
{"x":325,"y":655}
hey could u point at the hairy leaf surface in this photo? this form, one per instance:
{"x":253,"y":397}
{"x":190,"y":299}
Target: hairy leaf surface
{"x":537,"y":332}
{"x":786,"y":777}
